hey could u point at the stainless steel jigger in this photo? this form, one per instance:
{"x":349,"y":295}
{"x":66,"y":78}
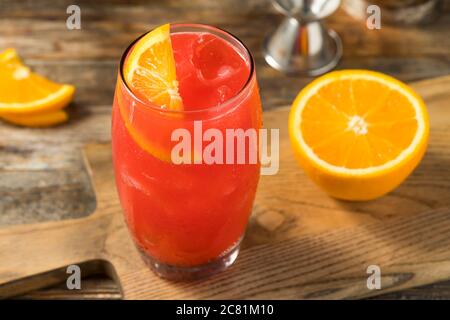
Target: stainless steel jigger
{"x":301,"y":44}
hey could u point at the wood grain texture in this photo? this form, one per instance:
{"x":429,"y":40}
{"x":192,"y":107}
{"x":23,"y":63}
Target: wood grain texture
{"x":300,"y":244}
{"x":42,"y":177}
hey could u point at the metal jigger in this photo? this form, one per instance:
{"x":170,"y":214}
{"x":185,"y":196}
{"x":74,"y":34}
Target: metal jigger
{"x":301,"y":44}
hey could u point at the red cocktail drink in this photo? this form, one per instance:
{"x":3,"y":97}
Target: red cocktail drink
{"x":189,"y":218}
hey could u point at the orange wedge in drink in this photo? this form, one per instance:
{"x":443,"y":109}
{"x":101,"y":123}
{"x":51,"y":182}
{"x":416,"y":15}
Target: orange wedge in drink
{"x":150,"y":73}
{"x":27,"y":98}
{"x":358,"y":134}
{"x":150,"y":69}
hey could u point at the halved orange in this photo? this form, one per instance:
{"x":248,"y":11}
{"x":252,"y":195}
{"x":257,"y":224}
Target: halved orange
{"x":24,"y":92}
{"x":150,"y":69}
{"x":358,"y":134}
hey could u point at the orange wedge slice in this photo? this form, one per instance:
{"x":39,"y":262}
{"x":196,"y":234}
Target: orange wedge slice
{"x":150,"y":69}
{"x":358,"y":134}
{"x":45,"y":119}
{"x":9,"y":55}
{"x":150,"y":72}
{"x":25,"y":92}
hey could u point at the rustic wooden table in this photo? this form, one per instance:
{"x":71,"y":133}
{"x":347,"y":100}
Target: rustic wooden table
{"x":42,"y":177}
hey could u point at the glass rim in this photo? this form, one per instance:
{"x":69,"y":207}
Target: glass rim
{"x":206,"y":28}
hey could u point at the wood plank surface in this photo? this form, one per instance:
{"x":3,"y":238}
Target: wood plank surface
{"x":42,"y":176}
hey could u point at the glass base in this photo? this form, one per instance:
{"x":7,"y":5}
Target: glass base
{"x":179,"y":273}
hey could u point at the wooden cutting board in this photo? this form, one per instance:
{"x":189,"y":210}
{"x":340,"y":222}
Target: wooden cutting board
{"x":300,"y":243}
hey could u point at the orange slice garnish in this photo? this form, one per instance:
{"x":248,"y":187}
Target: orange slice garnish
{"x":358,"y":134}
{"x":150,"y":72}
{"x":150,"y":69}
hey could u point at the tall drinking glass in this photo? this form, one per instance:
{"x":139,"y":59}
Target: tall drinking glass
{"x":188,"y":219}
